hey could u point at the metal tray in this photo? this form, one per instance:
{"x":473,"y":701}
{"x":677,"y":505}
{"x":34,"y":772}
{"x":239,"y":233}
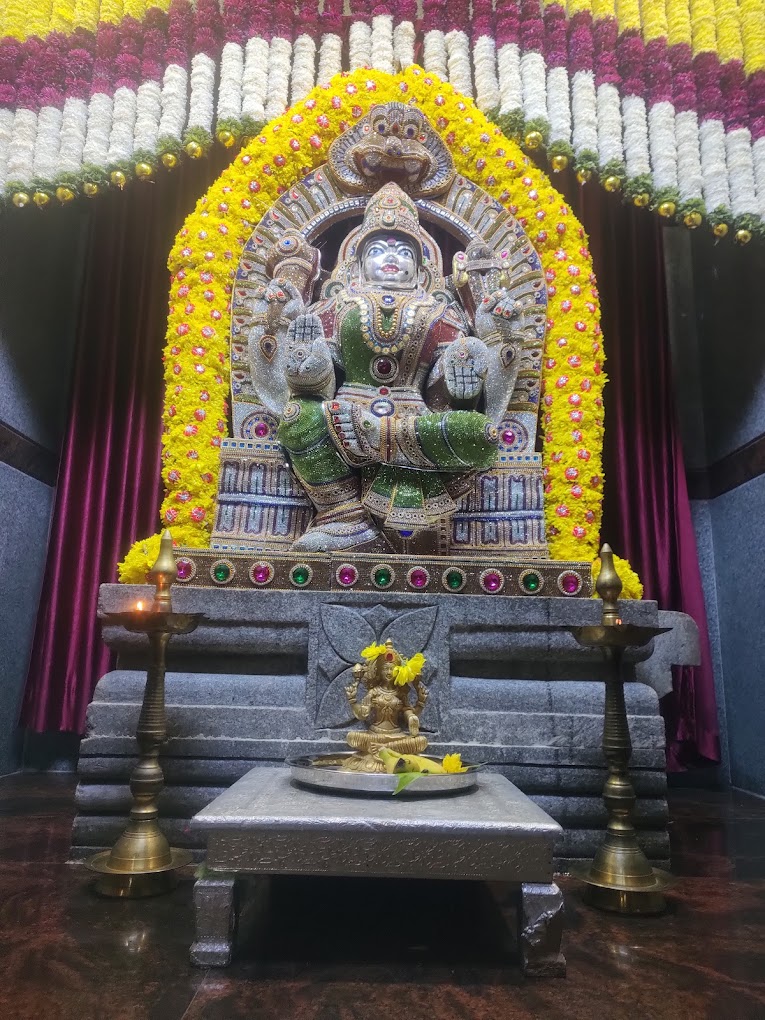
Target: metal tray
{"x":310,"y":772}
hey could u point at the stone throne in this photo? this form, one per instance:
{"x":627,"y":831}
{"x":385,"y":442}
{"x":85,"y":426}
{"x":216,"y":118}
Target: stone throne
{"x":478,"y":595}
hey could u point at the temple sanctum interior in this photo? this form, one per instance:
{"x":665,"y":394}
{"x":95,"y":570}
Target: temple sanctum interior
{"x":382,"y":451}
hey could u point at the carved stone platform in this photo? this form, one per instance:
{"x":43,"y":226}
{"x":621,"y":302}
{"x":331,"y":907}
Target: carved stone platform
{"x":263,"y":680}
{"x":268,"y":825}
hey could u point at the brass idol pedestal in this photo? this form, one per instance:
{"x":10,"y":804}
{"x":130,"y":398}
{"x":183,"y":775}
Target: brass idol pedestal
{"x":141,"y":862}
{"x":620,"y":878}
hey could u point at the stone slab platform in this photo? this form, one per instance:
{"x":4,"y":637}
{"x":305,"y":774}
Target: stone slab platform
{"x":267,"y":824}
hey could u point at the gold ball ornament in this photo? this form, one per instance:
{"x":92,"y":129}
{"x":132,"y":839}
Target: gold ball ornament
{"x":559,"y":163}
{"x":641,"y":200}
{"x":226,"y":139}
{"x":612,"y":183}
{"x":692,"y":220}
{"x":583,"y":175}
{"x":41,"y":199}
{"x":534,"y":140}
{"x":667,"y":210}
{"x":194,"y":149}
{"x":743,"y":236}
{"x":90,"y":190}
{"x":118,"y":179}
{"x":169,"y":160}
{"x":720,"y":229}
{"x":144,"y":171}
{"x":20,"y":199}
{"x":64,"y":194}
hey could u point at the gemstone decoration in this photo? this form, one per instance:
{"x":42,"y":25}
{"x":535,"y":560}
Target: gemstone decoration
{"x":453,"y":579}
{"x":418,"y":577}
{"x":261,"y":573}
{"x":531,"y":582}
{"x":383,"y":576}
{"x":185,"y":569}
{"x":569,"y":582}
{"x":508,"y":436}
{"x":301,"y":575}
{"x":222,"y":571}
{"x":261,"y":430}
{"x":492,"y":581}
{"x":347,"y":575}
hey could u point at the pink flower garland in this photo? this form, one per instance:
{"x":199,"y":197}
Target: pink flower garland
{"x":581,"y":47}
{"x":706,"y":69}
{"x":756,"y":90}
{"x":128,"y":61}
{"x":179,"y":27}
{"x":508,"y":24}
{"x":532,"y":27}
{"x":32,"y":76}
{"x":331,"y":21}
{"x":107,"y":50}
{"x":555,"y":26}
{"x":236,"y":21}
{"x":734,"y":95}
{"x":683,"y":80}
{"x":207,"y":28}
{"x":631,"y":61}
{"x":605,"y":32}
{"x":79,"y":64}
{"x":154,"y":45}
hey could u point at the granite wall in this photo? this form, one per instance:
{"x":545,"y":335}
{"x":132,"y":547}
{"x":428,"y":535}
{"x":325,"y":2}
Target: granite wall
{"x":718,"y":312}
{"x":41,"y":262}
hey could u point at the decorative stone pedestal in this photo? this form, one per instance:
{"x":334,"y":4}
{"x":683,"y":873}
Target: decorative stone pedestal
{"x":268,"y":825}
{"x":263,"y":680}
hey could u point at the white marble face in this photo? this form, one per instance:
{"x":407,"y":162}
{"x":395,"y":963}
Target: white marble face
{"x":390,"y":260}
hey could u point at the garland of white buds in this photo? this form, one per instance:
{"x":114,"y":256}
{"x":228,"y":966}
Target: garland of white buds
{"x":303,"y":67}
{"x":330,"y":58}
{"x":255,"y":79}
{"x":381,"y":43}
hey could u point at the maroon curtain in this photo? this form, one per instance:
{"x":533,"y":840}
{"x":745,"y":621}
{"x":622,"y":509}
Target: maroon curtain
{"x":646,"y":512}
{"x":108,"y":490}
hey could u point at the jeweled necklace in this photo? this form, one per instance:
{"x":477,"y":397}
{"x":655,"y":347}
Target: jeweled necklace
{"x":388,"y":321}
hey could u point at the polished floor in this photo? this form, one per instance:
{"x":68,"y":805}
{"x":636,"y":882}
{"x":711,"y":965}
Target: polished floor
{"x":357,"y":950}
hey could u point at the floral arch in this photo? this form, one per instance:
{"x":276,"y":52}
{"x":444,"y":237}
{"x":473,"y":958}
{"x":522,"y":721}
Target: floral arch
{"x":203,"y":263}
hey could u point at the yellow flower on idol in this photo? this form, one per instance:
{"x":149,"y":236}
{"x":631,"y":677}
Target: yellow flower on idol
{"x":409,"y":670}
{"x":372,"y":651}
{"x":453,"y":763}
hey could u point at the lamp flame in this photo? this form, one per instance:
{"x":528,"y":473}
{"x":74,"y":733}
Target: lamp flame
{"x":139,"y":606}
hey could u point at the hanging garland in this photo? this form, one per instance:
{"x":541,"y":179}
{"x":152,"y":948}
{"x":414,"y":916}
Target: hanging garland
{"x":203,"y":264}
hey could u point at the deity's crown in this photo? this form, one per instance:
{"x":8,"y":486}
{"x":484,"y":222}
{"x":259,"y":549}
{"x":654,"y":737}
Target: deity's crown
{"x":391,"y":209}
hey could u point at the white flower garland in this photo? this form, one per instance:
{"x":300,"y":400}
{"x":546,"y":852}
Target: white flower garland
{"x":584,"y":113}
{"x":690,"y":181}
{"x":434,"y":56}
{"x":559,"y":105}
{"x":662,"y":143}
{"x":230,"y":85}
{"x":47,"y":142}
{"x":458,"y":62}
{"x":22,"y":148}
{"x":74,"y":127}
{"x":359,"y":45}
{"x":404,"y":38}
{"x":713,"y":166}
{"x":509,"y":74}
{"x":486,"y":81}
{"x":303,"y":67}
{"x":279,"y":62}
{"x":6,"y":133}
{"x":202,"y":97}
{"x":148,"y":112}
{"x":758,"y":154}
{"x":381,"y":42}
{"x":609,"y":113}
{"x":330,"y":58}
{"x":255,"y":78}
{"x":636,"y":158}
{"x":99,"y":127}
{"x":123,"y":126}
{"x":175,"y":86}
{"x":534,"y":86}
{"x":738,"y":148}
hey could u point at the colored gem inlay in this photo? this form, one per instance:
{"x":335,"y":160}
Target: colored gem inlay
{"x":185,"y":570}
{"x":454,"y":580}
{"x":418,"y":577}
{"x":261,"y":429}
{"x":492,"y":581}
{"x":347,"y":575}
{"x":221,"y":571}
{"x":300,"y":575}
{"x":261,"y":573}
{"x":382,"y":576}
{"x":508,"y":436}
{"x":531,"y":581}
{"x":570,"y":583}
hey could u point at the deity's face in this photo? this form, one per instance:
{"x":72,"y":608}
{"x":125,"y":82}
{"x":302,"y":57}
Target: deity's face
{"x":390,"y":260}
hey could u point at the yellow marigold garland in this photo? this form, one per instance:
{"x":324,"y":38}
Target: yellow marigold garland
{"x":632,"y":587}
{"x":203,"y":264}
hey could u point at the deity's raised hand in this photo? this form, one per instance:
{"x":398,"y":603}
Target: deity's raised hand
{"x":465,"y":364}
{"x":309,"y":367}
{"x":283,"y":302}
{"x":495,"y":314}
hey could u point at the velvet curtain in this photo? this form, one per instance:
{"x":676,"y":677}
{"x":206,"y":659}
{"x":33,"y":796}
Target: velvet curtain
{"x":108,"y":493}
{"x":109,"y":485}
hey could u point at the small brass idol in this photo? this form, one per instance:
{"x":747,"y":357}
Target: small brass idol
{"x":141,"y":862}
{"x":391,"y":707}
{"x":620,"y":878}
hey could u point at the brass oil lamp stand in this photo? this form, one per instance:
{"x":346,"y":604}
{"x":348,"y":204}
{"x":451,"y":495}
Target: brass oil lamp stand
{"x":142,"y":862}
{"x":620,"y":878}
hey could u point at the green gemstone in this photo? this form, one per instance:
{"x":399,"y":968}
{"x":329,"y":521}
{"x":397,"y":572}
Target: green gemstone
{"x":382,"y":577}
{"x":531,"y":582}
{"x":455,"y":579}
{"x":221,"y":572}
{"x":300,"y":575}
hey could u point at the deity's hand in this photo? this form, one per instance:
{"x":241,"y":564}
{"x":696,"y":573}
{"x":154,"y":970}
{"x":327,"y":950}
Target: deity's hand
{"x":465,"y":364}
{"x":283,"y":303}
{"x":309,"y":367}
{"x":494,"y":313}
{"x":414,"y":725}
{"x":358,"y":431}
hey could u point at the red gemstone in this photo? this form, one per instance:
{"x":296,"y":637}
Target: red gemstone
{"x":383,"y":391}
{"x":418,"y":578}
{"x":261,"y":573}
{"x":261,"y":429}
{"x":347,"y":575}
{"x":570,"y":583}
{"x":491,"y":581}
{"x":384,"y":366}
{"x":508,"y":436}
{"x":184,"y":569}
